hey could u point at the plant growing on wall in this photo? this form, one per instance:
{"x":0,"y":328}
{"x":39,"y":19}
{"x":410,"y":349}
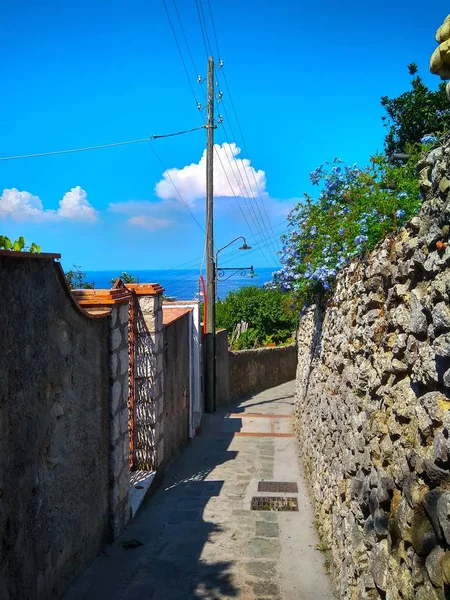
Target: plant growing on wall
{"x":355,"y":208}
{"x":18,"y":245}
{"x":76,"y":279}
{"x":414,"y":114}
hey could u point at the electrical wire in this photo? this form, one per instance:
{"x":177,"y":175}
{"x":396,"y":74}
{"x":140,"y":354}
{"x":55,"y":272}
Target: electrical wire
{"x":207,"y":47}
{"x":248,"y":194}
{"x":101,"y":146}
{"x":201,"y":18}
{"x":234,"y":109}
{"x":176,"y":189}
{"x":244,"y":144}
{"x":179,"y":50}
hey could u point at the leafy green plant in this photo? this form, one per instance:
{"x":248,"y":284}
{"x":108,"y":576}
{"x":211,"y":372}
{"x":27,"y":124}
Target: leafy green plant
{"x":18,"y":245}
{"x":76,"y":279}
{"x":267,"y":313}
{"x":247,"y":339}
{"x":414,"y":114}
{"x":125,"y":277}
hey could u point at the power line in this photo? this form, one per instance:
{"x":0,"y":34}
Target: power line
{"x":207,"y":46}
{"x":201,"y":18}
{"x":225,"y":255}
{"x":244,"y":143}
{"x":184,"y":36}
{"x":235,"y":197}
{"x":247,"y":193}
{"x":234,"y":109}
{"x":214,"y":29}
{"x":101,"y":146}
{"x":179,"y":50}
{"x":235,"y":137}
{"x":250,"y":199}
{"x":176,"y":189}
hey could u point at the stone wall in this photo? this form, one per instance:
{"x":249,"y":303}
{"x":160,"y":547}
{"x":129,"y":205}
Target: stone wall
{"x":373,"y":409}
{"x":177,"y":348}
{"x":54,"y":431}
{"x":252,"y":371}
{"x":118,"y":418}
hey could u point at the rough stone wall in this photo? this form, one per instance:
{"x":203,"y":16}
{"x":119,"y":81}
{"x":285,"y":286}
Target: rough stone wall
{"x":373,"y":409}
{"x":118,"y":414}
{"x":54,"y":432}
{"x":177,"y":345}
{"x":252,"y":371}
{"x":149,"y":382}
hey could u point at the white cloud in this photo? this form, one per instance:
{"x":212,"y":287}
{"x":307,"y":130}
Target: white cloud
{"x":147,"y":215}
{"x":232,"y":176}
{"x":23,"y":206}
{"x":149,"y":223}
{"x":75,"y":205}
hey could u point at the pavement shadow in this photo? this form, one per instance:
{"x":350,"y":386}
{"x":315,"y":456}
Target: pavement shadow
{"x":171,"y":566}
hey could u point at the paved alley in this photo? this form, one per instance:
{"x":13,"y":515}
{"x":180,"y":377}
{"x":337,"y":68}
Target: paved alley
{"x":198,"y":538}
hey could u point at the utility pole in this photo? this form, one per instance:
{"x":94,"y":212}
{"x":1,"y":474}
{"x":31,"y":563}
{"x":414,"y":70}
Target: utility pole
{"x":210,"y":377}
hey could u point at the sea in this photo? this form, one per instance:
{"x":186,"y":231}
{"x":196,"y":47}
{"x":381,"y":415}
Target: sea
{"x":184,"y":284}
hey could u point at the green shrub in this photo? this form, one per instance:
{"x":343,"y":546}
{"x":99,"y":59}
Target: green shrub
{"x":76,"y":279}
{"x":125,"y":277}
{"x":414,"y":114}
{"x":267,"y":313}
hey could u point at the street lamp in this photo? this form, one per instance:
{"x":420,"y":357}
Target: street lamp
{"x":220,"y":271}
{"x":211,"y":360}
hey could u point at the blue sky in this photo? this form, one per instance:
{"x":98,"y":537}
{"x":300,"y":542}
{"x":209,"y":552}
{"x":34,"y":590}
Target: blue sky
{"x":306,"y":81}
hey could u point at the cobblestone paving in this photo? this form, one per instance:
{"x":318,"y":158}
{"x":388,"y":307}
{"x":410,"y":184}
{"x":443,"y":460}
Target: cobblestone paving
{"x":200,"y":540}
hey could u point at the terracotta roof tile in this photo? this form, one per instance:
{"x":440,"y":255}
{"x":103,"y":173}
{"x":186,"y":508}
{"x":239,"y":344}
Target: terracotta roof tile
{"x":172,"y":314}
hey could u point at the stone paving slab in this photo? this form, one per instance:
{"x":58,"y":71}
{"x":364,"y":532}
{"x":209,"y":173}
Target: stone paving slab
{"x":200,"y":540}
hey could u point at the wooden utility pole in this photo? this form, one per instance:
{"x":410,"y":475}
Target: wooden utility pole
{"x":210,"y":371}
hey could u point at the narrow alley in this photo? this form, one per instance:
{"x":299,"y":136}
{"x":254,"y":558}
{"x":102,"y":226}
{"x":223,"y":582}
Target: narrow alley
{"x":197,"y":536}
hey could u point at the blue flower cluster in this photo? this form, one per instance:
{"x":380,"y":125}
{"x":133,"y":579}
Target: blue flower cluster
{"x":441,"y":114}
{"x":428,"y":139}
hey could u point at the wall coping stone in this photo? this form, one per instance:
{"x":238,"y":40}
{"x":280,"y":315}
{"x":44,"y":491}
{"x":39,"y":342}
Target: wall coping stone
{"x":144,"y":289}
{"x":20,"y":254}
{"x":261,"y":349}
{"x":93,"y":298}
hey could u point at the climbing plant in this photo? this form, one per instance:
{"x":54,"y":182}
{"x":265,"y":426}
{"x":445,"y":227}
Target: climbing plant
{"x":18,"y":245}
{"x":355,"y":208}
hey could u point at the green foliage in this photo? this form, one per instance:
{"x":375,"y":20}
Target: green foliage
{"x":414,"y":114}
{"x":248,"y":339}
{"x":356,"y":208}
{"x":18,"y":245}
{"x":125,"y":277}
{"x":76,"y":279}
{"x":267,"y":313}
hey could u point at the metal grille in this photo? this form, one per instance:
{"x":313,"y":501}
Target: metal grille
{"x":273,"y":503}
{"x":287,"y":487}
{"x":131,"y":353}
